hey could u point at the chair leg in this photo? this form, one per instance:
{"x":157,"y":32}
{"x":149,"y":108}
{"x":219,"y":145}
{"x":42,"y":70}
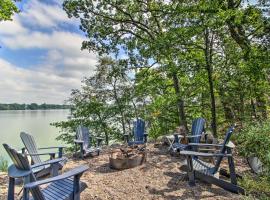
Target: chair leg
{"x":232,"y":169}
{"x":54,"y":169}
{"x":76,"y":187}
{"x":60,"y":152}
{"x":11,"y":186}
{"x":191,"y":175}
{"x":25,"y":194}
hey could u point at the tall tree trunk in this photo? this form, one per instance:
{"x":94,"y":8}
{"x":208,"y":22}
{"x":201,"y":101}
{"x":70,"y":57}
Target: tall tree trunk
{"x":208,"y":59}
{"x":229,"y":115}
{"x":241,"y":108}
{"x":180,"y":102}
{"x":120,"y":108}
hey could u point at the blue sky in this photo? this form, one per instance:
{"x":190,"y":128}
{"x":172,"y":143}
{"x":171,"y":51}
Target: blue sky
{"x":40,"y":56}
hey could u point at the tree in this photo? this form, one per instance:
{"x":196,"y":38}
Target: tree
{"x":203,"y":50}
{"x":7,"y":9}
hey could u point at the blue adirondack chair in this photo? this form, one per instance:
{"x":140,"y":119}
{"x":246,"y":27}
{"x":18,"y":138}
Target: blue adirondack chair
{"x":84,"y":141}
{"x":198,"y":169}
{"x":139,"y":135}
{"x":61,"y":187}
{"x":34,"y":152}
{"x":197,"y":129}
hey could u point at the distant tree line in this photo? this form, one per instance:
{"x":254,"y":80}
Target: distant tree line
{"x":32,"y":106}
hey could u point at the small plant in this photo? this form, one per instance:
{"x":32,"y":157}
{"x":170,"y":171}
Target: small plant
{"x":256,"y":187}
{"x":254,"y":140}
{"x":3,"y":164}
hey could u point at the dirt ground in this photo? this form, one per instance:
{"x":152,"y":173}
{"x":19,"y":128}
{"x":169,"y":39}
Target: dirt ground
{"x":159,"y":178}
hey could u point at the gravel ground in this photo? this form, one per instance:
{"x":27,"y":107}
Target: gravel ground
{"x":159,"y":178}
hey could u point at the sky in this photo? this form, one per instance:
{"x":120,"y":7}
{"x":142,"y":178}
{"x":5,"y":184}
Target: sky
{"x":40,"y":55}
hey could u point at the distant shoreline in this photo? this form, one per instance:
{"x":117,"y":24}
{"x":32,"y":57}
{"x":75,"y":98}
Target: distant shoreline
{"x":33,"y":106}
{"x":39,"y":109}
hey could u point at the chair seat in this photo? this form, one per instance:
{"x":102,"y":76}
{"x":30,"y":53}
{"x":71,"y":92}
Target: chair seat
{"x":203,"y":167}
{"x":60,"y":190}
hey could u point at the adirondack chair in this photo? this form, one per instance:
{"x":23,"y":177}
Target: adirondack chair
{"x":84,"y":140}
{"x":197,"y":129}
{"x":32,"y":150}
{"x":61,"y":187}
{"x":207,"y":172}
{"x":140,"y":137}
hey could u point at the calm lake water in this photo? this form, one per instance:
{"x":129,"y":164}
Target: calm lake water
{"x":34,"y":122}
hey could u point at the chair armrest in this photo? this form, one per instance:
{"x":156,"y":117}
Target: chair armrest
{"x":40,"y":154}
{"x":193,"y":136}
{"x":195,"y":153}
{"x":49,"y":162}
{"x":51,"y":147}
{"x":73,"y":172}
{"x":16,"y":173}
{"x":78,"y":141}
{"x":205,"y":145}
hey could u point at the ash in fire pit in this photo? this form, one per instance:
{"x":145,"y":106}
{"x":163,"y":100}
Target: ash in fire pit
{"x":128,"y":157}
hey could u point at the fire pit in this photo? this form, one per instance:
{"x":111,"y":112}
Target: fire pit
{"x":127,"y":157}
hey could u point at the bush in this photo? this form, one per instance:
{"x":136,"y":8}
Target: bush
{"x":254,"y":140}
{"x":256,"y":187}
{"x":3,"y":164}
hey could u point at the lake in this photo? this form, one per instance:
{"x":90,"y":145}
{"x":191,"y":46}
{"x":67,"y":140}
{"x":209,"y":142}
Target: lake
{"x":34,"y":122}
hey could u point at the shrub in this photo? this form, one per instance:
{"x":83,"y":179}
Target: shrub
{"x":254,"y":140}
{"x":3,"y":164}
{"x":256,"y":187}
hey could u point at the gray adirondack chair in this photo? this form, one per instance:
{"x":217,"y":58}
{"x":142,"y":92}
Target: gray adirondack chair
{"x":33,"y":151}
{"x":61,"y":187}
{"x":197,"y":129}
{"x":84,"y":141}
{"x":207,"y":172}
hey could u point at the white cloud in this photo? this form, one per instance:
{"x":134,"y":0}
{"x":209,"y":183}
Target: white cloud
{"x":38,"y":13}
{"x":12,"y":27}
{"x":24,"y":85}
{"x":60,"y":69}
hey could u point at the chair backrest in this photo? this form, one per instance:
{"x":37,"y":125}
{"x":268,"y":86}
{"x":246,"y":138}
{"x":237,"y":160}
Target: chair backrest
{"x":198,"y":127}
{"x":139,"y":129}
{"x":223,"y":148}
{"x":31,"y":146}
{"x":21,"y":162}
{"x":82,"y":133}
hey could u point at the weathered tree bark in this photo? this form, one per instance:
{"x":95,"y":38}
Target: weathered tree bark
{"x":180,"y":102}
{"x":208,"y":60}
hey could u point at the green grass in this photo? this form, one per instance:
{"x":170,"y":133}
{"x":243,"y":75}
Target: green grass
{"x":3,"y":164}
{"x":256,"y":187}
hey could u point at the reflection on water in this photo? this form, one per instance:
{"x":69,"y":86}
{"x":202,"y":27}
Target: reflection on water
{"x":35,"y":122}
